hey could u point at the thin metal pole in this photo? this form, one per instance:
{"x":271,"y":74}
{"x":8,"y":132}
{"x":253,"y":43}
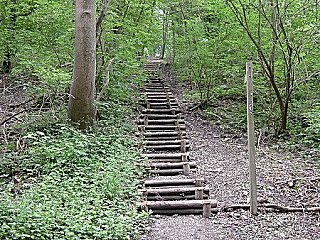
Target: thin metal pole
{"x":251,"y":140}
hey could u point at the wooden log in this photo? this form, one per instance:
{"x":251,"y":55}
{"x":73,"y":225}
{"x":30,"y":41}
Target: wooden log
{"x":155,"y":85}
{"x":179,"y":204}
{"x":165,"y":147}
{"x":207,"y":205}
{"x":155,"y":90}
{"x":162,"y":111}
{"x":164,"y":127}
{"x":174,"y":190}
{"x":167,"y":172}
{"x":162,"y":104}
{"x":160,"y":84}
{"x":171,"y":160}
{"x":167,"y":182}
{"x":162,"y":134}
{"x":155,"y":80}
{"x":161,"y":116}
{"x":168,"y":98}
{"x":158,"y":99}
{"x":163,"y":155}
{"x":163,"y":121}
{"x":163,"y":138}
{"x":159,"y":94}
{"x":174,"y":197}
{"x":180,"y":211}
{"x":161,"y":101}
{"x":171,"y":165}
{"x":166,"y":142}
{"x":274,"y":207}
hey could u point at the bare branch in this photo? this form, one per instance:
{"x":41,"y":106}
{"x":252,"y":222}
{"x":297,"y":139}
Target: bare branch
{"x":106,"y":83}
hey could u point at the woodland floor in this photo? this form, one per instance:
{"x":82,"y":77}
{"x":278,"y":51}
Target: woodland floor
{"x":222,"y":160}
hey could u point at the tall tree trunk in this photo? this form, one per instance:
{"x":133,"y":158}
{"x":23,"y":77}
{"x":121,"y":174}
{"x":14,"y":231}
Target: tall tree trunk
{"x":81,"y":102}
{"x":9,"y":53}
{"x":164,"y":33}
{"x":6,"y":64}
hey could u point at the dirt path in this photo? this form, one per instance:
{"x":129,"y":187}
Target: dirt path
{"x":222,"y":160}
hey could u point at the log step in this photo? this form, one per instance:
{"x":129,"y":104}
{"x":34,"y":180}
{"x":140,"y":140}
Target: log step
{"x":155,"y":87}
{"x":164,"y":155}
{"x":161,"y":103}
{"x":166,"y":138}
{"x":156,"y":90}
{"x":152,"y":143}
{"x":161,"y":134}
{"x":190,"y":211}
{"x":194,"y":204}
{"x":197,"y":182}
{"x":173,"y":197}
{"x":170,"y":160}
{"x":160,"y":97}
{"x":162,"y":116}
{"x":161,"y":165}
{"x":152,"y":85}
{"x":174,"y":191}
{"x":162,"y":127}
{"x":166,"y":147}
{"x":162,"y":111}
{"x":161,"y":100}
{"x":162,"y":121}
{"x":160,"y":94}
{"x":169,"y":172}
{"x":162,"y":107}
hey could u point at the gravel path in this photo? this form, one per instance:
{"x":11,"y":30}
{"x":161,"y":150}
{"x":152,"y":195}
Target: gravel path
{"x":222,"y":160}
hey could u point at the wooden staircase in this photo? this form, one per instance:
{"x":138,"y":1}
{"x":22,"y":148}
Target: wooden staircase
{"x":166,"y":148}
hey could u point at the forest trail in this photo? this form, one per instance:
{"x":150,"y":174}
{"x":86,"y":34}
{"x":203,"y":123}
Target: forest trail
{"x":221,"y":159}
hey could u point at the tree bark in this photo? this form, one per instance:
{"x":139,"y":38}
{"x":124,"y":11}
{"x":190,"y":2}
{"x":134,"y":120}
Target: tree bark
{"x":164,"y":33}
{"x":81,"y":102}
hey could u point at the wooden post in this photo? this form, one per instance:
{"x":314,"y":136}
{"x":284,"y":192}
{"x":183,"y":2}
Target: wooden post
{"x":184,"y":158}
{"x":206,"y":208}
{"x":145,"y":120}
{"x":183,"y":146}
{"x":251,"y":140}
{"x":198,"y":193}
{"x":186,"y":169}
{"x":199,"y":182}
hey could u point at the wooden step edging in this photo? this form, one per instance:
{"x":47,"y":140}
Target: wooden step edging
{"x":169,"y":165}
{"x":175,"y":191}
{"x":204,"y":207}
{"x":198,"y":182}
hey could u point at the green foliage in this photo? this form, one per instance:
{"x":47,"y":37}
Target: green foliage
{"x":209,"y":49}
{"x":74,"y":185}
{"x":312,"y":131}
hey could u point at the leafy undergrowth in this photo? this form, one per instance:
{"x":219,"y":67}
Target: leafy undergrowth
{"x":228,"y":109}
{"x":73,"y":185}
